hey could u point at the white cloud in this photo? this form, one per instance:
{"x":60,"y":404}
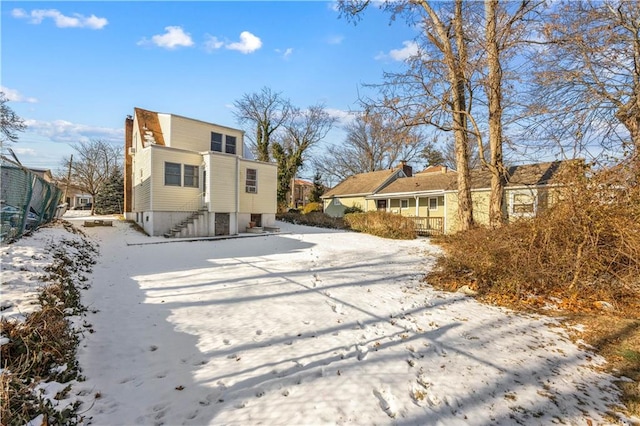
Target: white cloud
{"x":24,"y":151}
{"x":286,"y":53}
{"x":173,"y":37}
{"x":67,"y":132}
{"x":248,"y":43}
{"x":212,"y":43}
{"x":336,"y":39}
{"x":77,"y":20}
{"x":15,"y":96}
{"x":410,"y":49}
{"x":343,"y":117}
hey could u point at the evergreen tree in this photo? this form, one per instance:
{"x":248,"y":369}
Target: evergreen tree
{"x":110,"y":199}
{"x":318,"y":188}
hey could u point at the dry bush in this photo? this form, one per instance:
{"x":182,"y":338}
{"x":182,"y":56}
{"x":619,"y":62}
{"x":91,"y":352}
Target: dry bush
{"x":312,"y":207}
{"x":45,"y":339}
{"x":317,"y":219}
{"x":585,"y":247}
{"x":382,"y":224}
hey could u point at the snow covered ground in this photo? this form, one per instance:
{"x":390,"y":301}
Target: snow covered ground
{"x":307,"y":327}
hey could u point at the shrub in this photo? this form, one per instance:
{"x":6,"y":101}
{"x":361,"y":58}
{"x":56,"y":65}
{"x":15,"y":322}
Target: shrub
{"x":584,"y":248}
{"x":353,"y":209}
{"x":382,"y":224}
{"x":317,"y":219}
{"x":312,"y":207}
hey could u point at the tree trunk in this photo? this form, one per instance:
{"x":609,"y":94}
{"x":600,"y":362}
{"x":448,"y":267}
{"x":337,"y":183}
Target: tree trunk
{"x":455,"y":71}
{"x":494,"y":95}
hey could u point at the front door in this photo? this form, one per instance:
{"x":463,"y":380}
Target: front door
{"x":382,"y":205}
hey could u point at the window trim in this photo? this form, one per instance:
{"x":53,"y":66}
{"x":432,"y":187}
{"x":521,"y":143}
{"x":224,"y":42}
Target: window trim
{"x":226,"y":144}
{"x":436,"y":200}
{"x":533,"y":204}
{"x":212,"y":141}
{"x":195,"y":176}
{"x":251,"y":185}
{"x":179,"y":174}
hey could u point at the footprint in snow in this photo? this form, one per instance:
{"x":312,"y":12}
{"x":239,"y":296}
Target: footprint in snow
{"x":387,"y":401}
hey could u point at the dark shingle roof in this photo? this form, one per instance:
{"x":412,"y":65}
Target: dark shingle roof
{"x":363,"y":183}
{"x":522,"y":175}
{"x":422,"y":182}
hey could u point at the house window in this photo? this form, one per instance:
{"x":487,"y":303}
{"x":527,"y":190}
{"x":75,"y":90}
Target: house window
{"x":191,"y":176}
{"x":230,"y":144}
{"x":336,"y":201}
{"x":172,"y":174}
{"x":404,"y":204}
{"x":216,"y":142}
{"x":433,"y":204}
{"x":522,"y":204}
{"x":251,"y":184}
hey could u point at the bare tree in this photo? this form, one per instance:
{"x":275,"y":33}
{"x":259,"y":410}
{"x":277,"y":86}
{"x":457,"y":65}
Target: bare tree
{"x":93,"y":165}
{"x":436,"y":89}
{"x":10,"y":123}
{"x":503,"y":30}
{"x":304,"y":129}
{"x":374,"y":141}
{"x":588,"y":78}
{"x":264,"y":113}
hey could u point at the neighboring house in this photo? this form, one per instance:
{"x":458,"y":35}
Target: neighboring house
{"x":186,"y":177}
{"x":356,"y":191}
{"x":74,"y":196}
{"x":529,"y":188}
{"x":301,"y":193}
{"x":431,"y":196}
{"x":43,"y":173}
{"x":421,"y":196}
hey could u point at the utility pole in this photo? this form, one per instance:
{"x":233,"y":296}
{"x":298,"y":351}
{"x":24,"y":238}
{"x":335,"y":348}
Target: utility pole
{"x":66,"y":190}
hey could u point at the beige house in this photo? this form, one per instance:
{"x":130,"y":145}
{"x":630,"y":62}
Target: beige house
{"x":356,"y":191}
{"x":186,"y":177}
{"x":430,"y":197}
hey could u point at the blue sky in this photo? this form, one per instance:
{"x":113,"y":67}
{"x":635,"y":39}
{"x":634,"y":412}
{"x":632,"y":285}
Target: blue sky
{"x":74,"y":70}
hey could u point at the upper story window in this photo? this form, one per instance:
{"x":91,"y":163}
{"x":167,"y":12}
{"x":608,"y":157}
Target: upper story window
{"x":191,"y":176}
{"x":230,"y":144}
{"x":251,"y":185}
{"x":216,"y":142}
{"x":172,"y":174}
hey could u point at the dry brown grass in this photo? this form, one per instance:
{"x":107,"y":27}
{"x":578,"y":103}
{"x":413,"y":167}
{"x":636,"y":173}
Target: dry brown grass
{"x":582,"y":251}
{"x":382,"y":224}
{"x":45,"y":339}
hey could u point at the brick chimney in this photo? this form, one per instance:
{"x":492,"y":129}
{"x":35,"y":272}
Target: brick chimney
{"x":407,"y":169}
{"x":128,"y":166}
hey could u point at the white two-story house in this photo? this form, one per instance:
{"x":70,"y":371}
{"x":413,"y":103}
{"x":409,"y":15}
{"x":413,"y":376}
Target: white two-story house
{"x":190,"y":178}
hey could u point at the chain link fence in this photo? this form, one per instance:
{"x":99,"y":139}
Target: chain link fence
{"x":27,"y":200}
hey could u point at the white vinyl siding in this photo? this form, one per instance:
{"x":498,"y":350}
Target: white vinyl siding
{"x":195,"y":135}
{"x":141,"y":166}
{"x":171,"y":198}
{"x":264,"y":201}
{"x":222,"y":182}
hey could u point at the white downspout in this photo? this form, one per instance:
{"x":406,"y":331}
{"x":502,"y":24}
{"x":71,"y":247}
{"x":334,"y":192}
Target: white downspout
{"x":237,"y":190}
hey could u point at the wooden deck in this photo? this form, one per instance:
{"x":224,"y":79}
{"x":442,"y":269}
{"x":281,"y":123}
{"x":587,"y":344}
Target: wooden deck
{"x":428,"y":226}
